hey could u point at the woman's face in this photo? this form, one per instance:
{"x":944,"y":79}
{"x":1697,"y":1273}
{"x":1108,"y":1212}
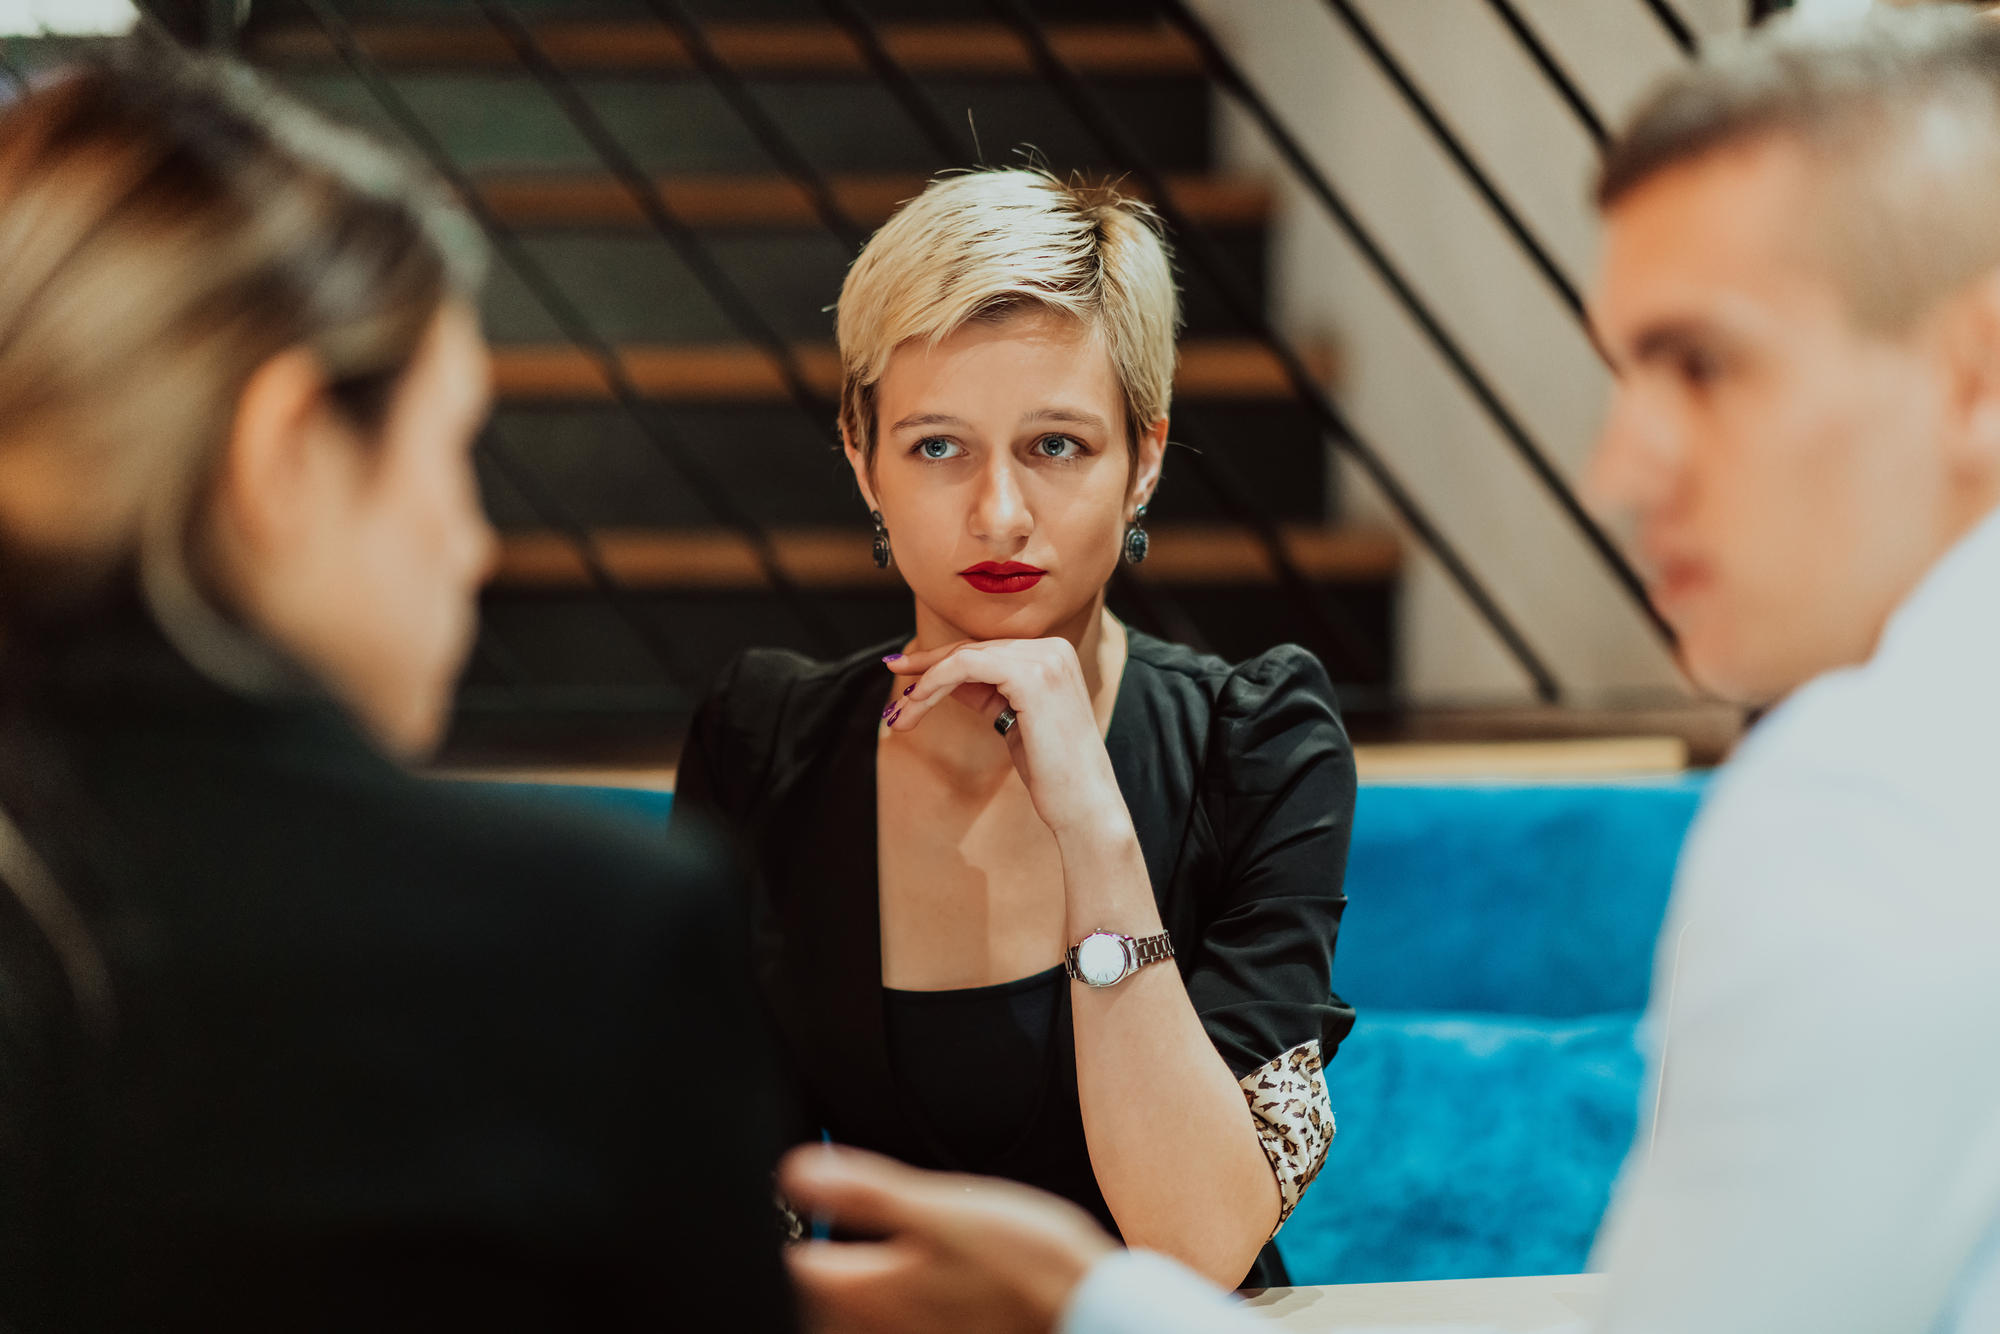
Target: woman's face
{"x":1003,"y":474}
{"x":363,"y":557}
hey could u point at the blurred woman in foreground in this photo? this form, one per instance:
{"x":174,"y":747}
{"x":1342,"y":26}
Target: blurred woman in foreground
{"x":291,"y":1039}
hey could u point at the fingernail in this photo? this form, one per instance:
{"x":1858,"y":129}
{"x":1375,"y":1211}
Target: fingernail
{"x":908,"y":688}
{"x":886,"y":712}
{"x":894,"y":714}
{"x":892,"y":657}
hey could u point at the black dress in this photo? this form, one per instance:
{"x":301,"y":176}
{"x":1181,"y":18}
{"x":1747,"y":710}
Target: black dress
{"x":386,"y":1054}
{"x":1240,"y":782}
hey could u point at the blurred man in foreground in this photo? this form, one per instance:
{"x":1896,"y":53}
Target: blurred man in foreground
{"x":1801,"y":304}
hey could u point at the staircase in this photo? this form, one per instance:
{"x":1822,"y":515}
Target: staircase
{"x":598,"y":648}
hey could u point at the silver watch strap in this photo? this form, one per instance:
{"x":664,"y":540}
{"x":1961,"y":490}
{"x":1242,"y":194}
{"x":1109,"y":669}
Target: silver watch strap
{"x":1152,"y":949}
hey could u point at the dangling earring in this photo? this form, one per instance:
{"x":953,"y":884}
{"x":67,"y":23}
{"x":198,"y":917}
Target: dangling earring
{"x":882,"y":556}
{"x":1135,"y":537}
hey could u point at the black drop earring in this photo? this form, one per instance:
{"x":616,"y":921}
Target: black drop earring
{"x":882,"y":554}
{"x":1135,"y":537}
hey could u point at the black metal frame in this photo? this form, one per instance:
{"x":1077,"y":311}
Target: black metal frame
{"x":1224,"y":70}
{"x":707,"y":488}
{"x":1368,"y":40}
{"x":1677,"y":28}
{"x":1195,"y":244}
{"x":1552,"y":70}
{"x":1332,"y":621}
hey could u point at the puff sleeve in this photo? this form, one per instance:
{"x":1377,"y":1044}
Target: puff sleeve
{"x":1278,"y":804}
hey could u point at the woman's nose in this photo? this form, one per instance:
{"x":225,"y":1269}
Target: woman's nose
{"x":1001,"y":514}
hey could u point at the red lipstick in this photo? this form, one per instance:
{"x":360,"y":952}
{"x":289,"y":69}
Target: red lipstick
{"x":997,"y":576}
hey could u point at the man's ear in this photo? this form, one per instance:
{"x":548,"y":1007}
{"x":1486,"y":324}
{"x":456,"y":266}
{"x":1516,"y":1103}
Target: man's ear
{"x":272,"y":469}
{"x":859,"y":462}
{"x":1149,"y":457}
{"x":1975,"y":447}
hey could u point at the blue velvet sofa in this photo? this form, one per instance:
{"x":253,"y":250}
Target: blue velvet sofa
{"x":1498,"y":947}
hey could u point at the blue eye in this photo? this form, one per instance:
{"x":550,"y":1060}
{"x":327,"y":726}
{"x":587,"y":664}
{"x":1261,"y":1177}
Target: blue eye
{"x":937,"y":447}
{"x":1058,"y":447}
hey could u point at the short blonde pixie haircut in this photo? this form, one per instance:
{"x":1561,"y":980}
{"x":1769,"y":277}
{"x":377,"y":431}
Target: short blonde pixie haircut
{"x":982,"y":245}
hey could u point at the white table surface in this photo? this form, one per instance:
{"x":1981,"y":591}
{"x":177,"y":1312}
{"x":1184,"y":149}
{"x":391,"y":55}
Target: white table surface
{"x":1541,"y":1305}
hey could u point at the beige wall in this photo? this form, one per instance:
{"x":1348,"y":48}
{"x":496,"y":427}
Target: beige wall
{"x":1397,"y":391}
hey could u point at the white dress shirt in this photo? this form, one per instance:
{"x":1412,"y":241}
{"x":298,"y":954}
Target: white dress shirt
{"x":1138,"y":1292}
{"x":1826,"y":1007}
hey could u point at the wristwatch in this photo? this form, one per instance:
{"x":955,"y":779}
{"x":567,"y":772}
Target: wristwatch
{"x":1105,"y":958}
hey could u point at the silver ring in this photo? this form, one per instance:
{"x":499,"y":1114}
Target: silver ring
{"x":1005,"y":722}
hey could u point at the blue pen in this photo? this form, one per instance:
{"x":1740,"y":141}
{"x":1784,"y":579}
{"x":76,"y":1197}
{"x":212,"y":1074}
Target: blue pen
{"x":822,"y":1223}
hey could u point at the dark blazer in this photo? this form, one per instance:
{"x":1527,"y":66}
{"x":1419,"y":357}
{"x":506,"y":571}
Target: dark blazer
{"x":1240,"y":782}
{"x":387,"y":1053}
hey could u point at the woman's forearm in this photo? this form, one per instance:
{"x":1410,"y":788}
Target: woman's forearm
{"x":1171,"y":1137}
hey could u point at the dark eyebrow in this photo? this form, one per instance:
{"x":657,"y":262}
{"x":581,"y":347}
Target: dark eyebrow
{"x":1671,"y":338}
{"x":927,"y":419}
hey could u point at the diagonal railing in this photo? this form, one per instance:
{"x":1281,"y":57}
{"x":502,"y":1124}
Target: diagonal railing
{"x":682,"y":238}
{"x":770,"y":137}
{"x":1156,"y":603}
{"x":1677,"y":28}
{"x":1553,"y":71}
{"x":1196,"y":246}
{"x":708,"y":489}
{"x":1248,"y":311}
{"x":1227,"y":75}
{"x":556,"y":516}
{"x":1531,"y":245}
{"x":1334,"y":624}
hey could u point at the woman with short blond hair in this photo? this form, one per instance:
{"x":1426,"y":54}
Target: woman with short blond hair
{"x":1034,"y":894}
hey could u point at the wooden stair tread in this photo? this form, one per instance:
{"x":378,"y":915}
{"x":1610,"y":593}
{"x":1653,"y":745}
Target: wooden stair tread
{"x":1210,"y":368}
{"x":704,"y":559}
{"x":777,"y":201}
{"x":1131,"y":49}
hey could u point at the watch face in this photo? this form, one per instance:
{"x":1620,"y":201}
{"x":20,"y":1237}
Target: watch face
{"x":1101,"y":959}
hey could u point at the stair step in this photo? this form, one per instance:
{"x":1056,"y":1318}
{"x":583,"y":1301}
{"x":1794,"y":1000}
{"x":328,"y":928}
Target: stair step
{"x":496,"y":119}
{"x":573,"y":200}
{"x":1182,"y":555}
{"x":1218,"y":368}
{"x":1116,"y":49}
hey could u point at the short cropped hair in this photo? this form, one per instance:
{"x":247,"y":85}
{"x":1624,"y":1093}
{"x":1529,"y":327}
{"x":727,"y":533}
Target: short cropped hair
{"x":982,"y":245}
{"x":1900,"y":114}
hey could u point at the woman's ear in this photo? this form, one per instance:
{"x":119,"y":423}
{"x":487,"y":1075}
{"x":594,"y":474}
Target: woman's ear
{"x":859,"y":462}
{"x":272,"y":469}
{"x":1148,"y":458}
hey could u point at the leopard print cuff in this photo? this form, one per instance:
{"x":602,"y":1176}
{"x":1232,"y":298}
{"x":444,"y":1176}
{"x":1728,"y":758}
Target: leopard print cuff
{"x":1294,"y":1116}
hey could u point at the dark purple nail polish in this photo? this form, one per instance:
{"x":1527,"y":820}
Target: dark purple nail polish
{"x":908,"y":688}
{"x":894,"y":714}
{"x":892,"y":657}
{"x":886,"y":712}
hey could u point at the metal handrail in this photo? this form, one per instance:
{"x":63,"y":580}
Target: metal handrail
{"x":1231,"y":78}
{"x":685,"y":241}
{"x":707,"y":488}
{"x":1552,"y":70}
{"x":555,"y":515}
{"x":1455,"y":149}
{"x":1208,"y":258}
{"x":769,"y":136}
{"x":1329,"y":619}
{"x":1677,"y":28}
{"x":908,"y":93}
